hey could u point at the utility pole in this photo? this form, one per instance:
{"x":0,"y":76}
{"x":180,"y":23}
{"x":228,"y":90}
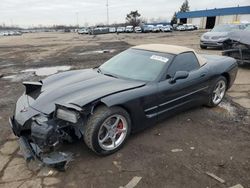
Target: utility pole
{"x":77,"y":21}
{"x":107,"y":12}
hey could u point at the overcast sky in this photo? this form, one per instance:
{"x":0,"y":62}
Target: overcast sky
{"x":49,"y":12}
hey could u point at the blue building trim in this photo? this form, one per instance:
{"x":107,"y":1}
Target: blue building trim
{"x":214,"y":12}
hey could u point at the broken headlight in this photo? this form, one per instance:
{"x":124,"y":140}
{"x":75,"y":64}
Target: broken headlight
{"x":67,"y":115}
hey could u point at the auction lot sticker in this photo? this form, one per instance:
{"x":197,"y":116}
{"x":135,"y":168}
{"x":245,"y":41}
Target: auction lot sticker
{"x":159,"y":58}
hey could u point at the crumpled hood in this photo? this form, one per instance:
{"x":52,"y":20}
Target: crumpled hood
{"x":77,"y":87}
{"x":240,"y":36}
{"x":214,"y":35}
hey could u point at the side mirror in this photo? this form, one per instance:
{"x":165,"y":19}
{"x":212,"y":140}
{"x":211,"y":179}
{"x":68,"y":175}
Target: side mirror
{"x":179,"y":75}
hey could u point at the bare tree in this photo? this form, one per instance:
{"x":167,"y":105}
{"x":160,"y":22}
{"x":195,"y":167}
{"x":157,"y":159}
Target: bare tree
{"x":133,"y":18}
{"x":174,"y":19}
{"x":185,"y":6}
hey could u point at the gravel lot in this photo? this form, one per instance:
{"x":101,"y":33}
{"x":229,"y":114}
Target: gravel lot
{"x":176,"y":153}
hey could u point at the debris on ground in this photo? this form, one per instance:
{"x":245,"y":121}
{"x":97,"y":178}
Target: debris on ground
{"x":132,"y":182}
{"x":215,"y":177}
{"x":46,"y":171}
{"x":176,"y":150}
{"x":46,"y":71}
{"x":192,"y":148}
{"x":157,"y":134}
{"x":18,"y":77}
{"x":117,"y":165}
{"x":97,"y":52}
{"x":227,"y":107}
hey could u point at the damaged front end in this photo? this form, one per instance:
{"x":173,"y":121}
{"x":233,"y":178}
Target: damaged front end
{"x":238,"y":46}
{"x":40,"y":135}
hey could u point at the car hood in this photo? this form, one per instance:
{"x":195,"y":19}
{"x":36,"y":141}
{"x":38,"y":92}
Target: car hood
{"x":209,"y":35}
{"x":77,"y":87}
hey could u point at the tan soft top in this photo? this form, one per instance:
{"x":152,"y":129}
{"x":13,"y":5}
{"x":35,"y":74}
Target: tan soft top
{"x":172,"y":49}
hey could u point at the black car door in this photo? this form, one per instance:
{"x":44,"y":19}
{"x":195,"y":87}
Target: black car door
{"x":182,"y":93}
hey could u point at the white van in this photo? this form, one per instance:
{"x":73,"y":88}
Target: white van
{"x":129,"y":29}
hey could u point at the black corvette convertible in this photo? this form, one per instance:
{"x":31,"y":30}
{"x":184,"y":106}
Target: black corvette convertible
{"x":129,"y":92}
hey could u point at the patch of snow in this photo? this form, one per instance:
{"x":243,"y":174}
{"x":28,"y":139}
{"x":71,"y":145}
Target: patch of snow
{"x":46,"y":71}
{"x":228,"y":107}
{"x":18,"y":77}
{"x":176,"y":150}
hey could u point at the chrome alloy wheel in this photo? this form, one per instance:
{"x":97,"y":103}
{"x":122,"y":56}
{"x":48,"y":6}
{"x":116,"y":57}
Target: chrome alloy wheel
{"x":112,"y":132}
{"x":219,"y":92}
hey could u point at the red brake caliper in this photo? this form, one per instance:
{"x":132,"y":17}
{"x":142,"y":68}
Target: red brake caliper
{"x":119,"y":126}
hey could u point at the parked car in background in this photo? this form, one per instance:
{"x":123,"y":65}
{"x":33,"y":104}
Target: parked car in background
{"x":219,"y":34}
{"x":99,"y":30}
{"x":166,"y":28}
{"x":138,"y":29}
{"x":112,"y":29}
{"x":146,"y":29}
{"x":160,"y":26}
{"x":104,"y":105}
{"x":65,"y":30}
{"x":196,"y":27}
{"x":18,"y":33}
{"x":121,"y":29}
{"x":181,"y":28}
{"x":156,"y":29}
{"x":129,"y":29}
{"x":189,"y":27}
{"x":83,"y":31}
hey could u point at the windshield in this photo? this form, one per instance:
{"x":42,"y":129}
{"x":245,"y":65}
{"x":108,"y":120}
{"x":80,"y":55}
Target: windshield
{"x":136,"y":64}
{"x":225,"y":28}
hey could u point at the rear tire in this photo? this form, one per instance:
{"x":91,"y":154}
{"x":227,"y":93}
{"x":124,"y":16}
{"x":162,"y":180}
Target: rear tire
{"x":107,"y":130}
{"x":217,"y":92}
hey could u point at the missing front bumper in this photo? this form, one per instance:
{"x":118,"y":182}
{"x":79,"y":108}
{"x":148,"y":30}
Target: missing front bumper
{"x":31,"y":151}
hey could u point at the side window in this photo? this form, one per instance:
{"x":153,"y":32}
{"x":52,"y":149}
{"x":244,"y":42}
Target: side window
{"x":183,"y":62}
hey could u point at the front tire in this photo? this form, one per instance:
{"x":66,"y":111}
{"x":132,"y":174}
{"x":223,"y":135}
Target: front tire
{"x":107,"y":130}
{"x":217,"y":92}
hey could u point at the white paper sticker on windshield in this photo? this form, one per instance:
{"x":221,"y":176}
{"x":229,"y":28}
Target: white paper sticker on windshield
{"x":159,"y":58}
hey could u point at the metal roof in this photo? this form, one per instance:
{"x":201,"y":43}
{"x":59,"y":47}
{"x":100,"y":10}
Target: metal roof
{"x":214,"y":12}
